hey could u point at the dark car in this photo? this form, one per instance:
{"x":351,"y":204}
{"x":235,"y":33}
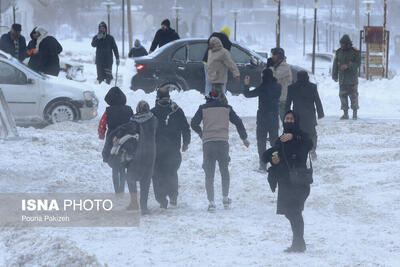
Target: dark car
{"x":178,"y":65}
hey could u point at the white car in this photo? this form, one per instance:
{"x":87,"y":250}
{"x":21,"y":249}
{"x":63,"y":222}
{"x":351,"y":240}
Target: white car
{"x":34,"y":98}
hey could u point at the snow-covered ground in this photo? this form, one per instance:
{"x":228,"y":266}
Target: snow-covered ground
{"x":351,"y":217}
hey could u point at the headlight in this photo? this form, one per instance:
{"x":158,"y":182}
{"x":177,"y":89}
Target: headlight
{"x":88,"y":95}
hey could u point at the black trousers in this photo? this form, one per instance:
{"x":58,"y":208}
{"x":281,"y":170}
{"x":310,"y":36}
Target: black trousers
{"x":295,"y":218}
{"x":119,"y":178}
{"x":104,"y":72}
{"x":144,"y":190}
{"x":212,"y":152}
{"x":268,"y":125}
{"x":165,"y":177}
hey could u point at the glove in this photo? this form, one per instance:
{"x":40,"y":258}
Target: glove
{"x":100,"y":35}
{"x":117,"y":61}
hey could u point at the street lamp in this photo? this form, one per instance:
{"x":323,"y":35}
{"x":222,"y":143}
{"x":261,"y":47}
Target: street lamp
{"x":278,"y":25}
{"x":211,"y":16}
{"x":314,"y":36}
{"x":14,"y":8}
{"x":368,"y":4}
{"x":177,"y":9}
{"x":108,"y":4}
{"x":235,"y":14}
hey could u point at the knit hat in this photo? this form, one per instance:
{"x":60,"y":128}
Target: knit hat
{"x":278,"y":51}
{"x":226,"y":30}
{"x":166,"y":22}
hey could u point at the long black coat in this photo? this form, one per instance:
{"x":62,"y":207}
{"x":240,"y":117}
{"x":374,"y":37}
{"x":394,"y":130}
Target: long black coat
{"x":305,"y":98}
{"x":7,"y":45}
{"x":163,"y":37}
{"x":172,"y":128}
{"x":290,"y":197}
{"x":34,"y":59}
{"x":145,"y":125}
{"x":104,"y":50}
{"x":49,"y":49}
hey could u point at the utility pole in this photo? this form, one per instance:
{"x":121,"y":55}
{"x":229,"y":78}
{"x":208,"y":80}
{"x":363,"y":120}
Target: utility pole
{"x":297,"y":19}
{"x":331,"y":25}
{"x":211,"y":16}
{"x":304,"y":28}
{"x":278,"y":26}
{"x":314,"y":37}
{"x":123,"y":28}
{"x":14,"y":4}
{"x":129,"y":17}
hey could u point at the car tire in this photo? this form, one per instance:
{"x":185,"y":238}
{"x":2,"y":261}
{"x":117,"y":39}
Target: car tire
{"x":61,"y":111}
{"x":171,"y":87}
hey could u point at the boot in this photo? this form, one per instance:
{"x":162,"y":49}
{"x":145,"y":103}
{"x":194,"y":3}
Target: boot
{"x":211,"y":207}
{"x":355,"y":114}
{"x":227,"y":202}
{"x":133,"y":205}
{"x":345,"y":115}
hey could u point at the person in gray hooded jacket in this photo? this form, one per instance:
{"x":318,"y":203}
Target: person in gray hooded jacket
{"x":143,"y":123}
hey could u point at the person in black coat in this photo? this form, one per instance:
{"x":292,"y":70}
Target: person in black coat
{"x":291,"y":149}
{"x":32,"y":51}
{"x":105,"y":46}
{"x":14,"y":43}
{"x":173,"y":127}
{"x":138,"y":50}
{"x":268,"y":93}
{"x":141,"y":168}
{"x":164,"y":35}
{"x":48,"y":49}
{"x":116,"y":114}
{"x":305,"y":98}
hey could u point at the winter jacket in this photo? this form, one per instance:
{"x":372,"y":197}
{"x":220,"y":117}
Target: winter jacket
{"x":116,"y":114}
{"x":226,"y":43}
{"x":283,"y":74}
{"x":304,"y":96}
{"x":268,"y":97}
{"x":219,"y":62}
{"x":172,"y":127}
{"x":32,"y":53}
{"x":352,"y":58}
{"x":137,"y":52}
{"x":145,"y":125}
{"x":163,"y":37}
{"x":290,"y":197}
{"x":104,"y":50}
{"x":216,"y":117}
{"x":49,"y":49}
{"x":7,"y":45}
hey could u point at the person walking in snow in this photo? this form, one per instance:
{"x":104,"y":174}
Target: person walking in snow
{"x":45,"y":50}
{"x":138,"y":50}
{"x":345,"y":70}
{"x":105,"y":46}
{"x":219,"y":62}
{"x":116,"y":114}
{"x":163,"y":36}
{"x":223,"y":35}
{"x":283,"y":74}
{"x":14,"y":43}
{"x":216,"y":116}
{"x":290,"y":151}
{"x":268,"y":93}
{"x":305,"y":98}
{"x":173,"y":134}
{"x":141,"y":168}
{"x":32,"y":51}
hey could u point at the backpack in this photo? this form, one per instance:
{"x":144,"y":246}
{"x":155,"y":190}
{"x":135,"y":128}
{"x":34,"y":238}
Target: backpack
{"x":123,"y":151}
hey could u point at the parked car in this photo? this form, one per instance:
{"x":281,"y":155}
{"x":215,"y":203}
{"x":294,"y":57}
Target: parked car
{"x":178,"y":65}
{"x":34,"y":98}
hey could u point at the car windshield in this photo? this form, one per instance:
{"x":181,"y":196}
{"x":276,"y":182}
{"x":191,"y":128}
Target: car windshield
{"x":25,"y":68}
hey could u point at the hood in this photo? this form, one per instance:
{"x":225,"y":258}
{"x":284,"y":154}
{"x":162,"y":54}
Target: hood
{"x":346,"y":40}
{"x":103,"y":24}
{"x":137,"y":42}
{"x":226,"y":30}
{"x":32,"y":32}
{"x":143,"y":117}
{"x":43,"y":32}
{"x":115,"y":97}
{"x":216,"y":44}
{"x":296,"y":123}
{"x":302,"y":76}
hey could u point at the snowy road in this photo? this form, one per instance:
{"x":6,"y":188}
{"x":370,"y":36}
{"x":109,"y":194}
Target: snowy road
{"x":351,"y":216}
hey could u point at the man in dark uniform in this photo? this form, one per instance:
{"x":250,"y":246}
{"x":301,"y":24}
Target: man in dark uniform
{"x":345,"y":70}
{"x":163,"y":36}
{"x":14,"y":43}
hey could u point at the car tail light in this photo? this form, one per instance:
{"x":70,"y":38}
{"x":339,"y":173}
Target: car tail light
{"x":140,"y":67}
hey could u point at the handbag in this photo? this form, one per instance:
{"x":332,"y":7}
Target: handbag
{"x":300,"y":176}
